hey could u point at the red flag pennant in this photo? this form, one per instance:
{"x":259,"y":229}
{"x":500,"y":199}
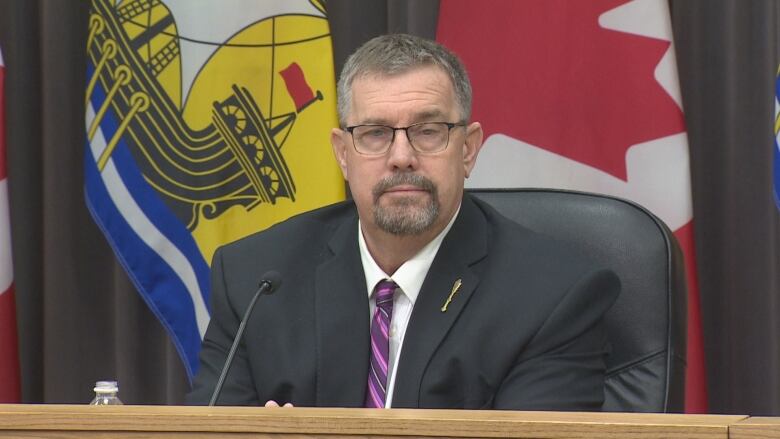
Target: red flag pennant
{"x":297,"y":86}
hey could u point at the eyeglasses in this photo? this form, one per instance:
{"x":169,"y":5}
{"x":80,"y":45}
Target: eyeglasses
{"x":425,"y":137}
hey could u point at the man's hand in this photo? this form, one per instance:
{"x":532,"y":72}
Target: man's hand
{"x":272,"y":403}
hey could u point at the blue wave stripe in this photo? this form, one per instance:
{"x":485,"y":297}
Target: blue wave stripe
{"x":157,"y":282}
{"x":149,"y":201}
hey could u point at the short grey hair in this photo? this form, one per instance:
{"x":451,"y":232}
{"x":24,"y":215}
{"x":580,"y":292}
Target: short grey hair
{"x":399,"y":53}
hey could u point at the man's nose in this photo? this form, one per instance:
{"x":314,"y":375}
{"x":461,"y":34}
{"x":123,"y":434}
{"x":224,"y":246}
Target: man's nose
{"x":401,"y":153}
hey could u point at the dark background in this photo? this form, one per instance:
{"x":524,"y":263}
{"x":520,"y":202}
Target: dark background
{"x":80,"y":319}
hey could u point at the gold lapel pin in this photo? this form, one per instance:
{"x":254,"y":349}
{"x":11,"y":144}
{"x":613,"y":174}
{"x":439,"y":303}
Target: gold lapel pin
{"x":455,"y":288}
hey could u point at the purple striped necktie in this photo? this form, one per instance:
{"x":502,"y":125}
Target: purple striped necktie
{"x":380,"y":344}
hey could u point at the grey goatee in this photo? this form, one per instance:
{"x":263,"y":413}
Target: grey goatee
{"x":406,"y":217}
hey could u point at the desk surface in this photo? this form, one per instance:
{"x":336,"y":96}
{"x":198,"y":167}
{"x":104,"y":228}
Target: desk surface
{"x":83,"y":421}
{"x":756,"y":428}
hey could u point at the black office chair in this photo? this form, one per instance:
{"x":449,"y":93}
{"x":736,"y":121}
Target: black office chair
{"x":647,"y":325}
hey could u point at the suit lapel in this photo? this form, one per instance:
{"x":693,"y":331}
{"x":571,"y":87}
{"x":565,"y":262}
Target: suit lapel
{"x":341,"y":303}
{"x":465,"y":244}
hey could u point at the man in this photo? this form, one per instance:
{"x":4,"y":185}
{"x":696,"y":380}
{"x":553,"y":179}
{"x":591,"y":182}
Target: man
{"x":412,"y":294}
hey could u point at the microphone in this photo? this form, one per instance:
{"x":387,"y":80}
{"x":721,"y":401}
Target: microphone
{"x":270,"y":282}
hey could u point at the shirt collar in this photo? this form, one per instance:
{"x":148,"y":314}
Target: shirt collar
{"x":411,"y":274}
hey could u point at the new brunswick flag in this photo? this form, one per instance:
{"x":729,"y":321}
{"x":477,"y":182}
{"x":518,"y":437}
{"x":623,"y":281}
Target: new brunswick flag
{"x":206,"y":121}
{"x":776,"y":168}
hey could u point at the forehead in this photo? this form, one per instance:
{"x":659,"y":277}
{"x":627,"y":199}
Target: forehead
{"x":421,"y":92}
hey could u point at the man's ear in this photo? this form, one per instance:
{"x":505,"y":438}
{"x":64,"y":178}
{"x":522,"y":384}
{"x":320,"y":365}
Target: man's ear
{"x":471,"y":146}
{"x":340,"y":144}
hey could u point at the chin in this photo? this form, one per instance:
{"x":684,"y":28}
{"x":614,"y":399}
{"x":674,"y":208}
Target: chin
{"x":406,"y":220}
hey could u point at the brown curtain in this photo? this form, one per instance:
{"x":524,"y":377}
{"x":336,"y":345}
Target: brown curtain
{"x":81,"y":320}
{"x":727,"y":55}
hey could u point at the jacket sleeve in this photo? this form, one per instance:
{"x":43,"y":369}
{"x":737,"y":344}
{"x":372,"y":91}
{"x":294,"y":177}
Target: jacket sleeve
{"x":563,"y":367}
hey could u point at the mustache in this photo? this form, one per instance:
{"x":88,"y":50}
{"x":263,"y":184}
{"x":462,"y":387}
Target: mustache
{"x":403,"y":179}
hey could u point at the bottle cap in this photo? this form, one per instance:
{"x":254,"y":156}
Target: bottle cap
{"x":106,"y":386}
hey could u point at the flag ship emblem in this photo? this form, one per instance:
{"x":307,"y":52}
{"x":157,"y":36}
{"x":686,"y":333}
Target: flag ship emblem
{"x":197,"y":120}
{"x":236,"y":160}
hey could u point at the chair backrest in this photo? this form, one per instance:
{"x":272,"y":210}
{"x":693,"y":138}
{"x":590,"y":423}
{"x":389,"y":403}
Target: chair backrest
{"x":647,"y":325}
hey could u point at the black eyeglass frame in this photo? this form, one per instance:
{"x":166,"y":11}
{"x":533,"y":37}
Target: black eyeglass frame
{"x":450,"y":126}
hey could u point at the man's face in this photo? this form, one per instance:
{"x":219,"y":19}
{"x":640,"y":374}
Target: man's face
{"x":404,"y":192}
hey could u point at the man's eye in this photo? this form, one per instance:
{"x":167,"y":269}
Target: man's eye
{"x":377,"y":132}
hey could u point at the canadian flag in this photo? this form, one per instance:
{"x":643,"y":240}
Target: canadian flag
{"x":583,"y":95}
{"x":9,"y":354}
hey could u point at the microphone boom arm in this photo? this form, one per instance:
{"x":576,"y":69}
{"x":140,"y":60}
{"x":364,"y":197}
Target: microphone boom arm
{"x":270,"y":282}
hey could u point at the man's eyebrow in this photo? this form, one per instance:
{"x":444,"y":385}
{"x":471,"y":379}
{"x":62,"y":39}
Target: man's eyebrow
{"x":426,"y":116}
{"x":374,"y":121}
{"x":423,"y":116}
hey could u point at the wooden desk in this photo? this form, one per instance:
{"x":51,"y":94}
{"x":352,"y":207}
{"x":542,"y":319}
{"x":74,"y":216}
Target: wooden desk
{"x":83,"y":421}
{"x":756,"y":428}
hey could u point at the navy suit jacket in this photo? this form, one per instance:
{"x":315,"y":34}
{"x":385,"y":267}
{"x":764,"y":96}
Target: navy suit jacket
{"x":524,"y":331}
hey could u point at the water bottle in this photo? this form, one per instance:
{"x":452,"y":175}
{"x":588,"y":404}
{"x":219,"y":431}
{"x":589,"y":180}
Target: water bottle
{"x":106,"y":393}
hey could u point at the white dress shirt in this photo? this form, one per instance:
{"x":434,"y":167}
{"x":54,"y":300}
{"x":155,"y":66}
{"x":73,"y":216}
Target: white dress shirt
{"x":409,"y":277}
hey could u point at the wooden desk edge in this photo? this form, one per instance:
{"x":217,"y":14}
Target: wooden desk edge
{"x":756,"y":427}
{"x":367,"y":422}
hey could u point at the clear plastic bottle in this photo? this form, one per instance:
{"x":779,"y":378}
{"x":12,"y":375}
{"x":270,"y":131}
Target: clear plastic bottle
{"x":106,"y":393}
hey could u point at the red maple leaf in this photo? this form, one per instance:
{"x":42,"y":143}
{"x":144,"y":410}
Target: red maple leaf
{"x":546,"y":73}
